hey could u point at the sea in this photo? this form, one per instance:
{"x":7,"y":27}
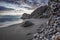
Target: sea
{"x":7,"y":20}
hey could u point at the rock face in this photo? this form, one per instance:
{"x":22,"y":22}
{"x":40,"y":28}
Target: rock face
{"x":45,"y":11}
{"x":27,"y":24}
{"x":52,"y":29}
{"x":40,"y":12}
{"x":25,"y":16}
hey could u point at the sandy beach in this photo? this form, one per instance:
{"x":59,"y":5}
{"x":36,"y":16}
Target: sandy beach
{"x":17,"y":32}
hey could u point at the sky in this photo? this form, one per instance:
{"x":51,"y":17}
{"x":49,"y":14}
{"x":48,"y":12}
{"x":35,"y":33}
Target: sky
{"x":18,"y":7}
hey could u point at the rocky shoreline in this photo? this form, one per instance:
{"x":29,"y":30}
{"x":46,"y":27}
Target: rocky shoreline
{"x":36,"y":26}
{"x":52,"y":30}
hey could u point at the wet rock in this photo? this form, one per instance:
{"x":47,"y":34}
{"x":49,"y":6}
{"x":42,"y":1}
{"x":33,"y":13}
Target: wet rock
{"x":27,"y":24}
{"x":29,"y":33}
{"x":29,"y":39}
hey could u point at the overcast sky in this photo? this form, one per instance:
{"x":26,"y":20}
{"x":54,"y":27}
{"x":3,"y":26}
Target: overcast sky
{"x":23,"y":5}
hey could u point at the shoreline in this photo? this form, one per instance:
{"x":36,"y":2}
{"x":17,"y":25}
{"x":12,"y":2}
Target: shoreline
{"x":17,"y":32}
{"x":9,"y":23}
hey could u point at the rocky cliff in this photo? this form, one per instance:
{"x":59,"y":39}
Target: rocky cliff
{"x":45,"y":11}
{"x":41,"y":12}
{"x":25,"y":16}
{"x":51,"y":31}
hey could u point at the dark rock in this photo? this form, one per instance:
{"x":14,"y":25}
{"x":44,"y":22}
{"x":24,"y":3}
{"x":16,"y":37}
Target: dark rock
{"x":27,"y":24}
{"x":51,"y":31}
{"x":40,"y":12}
{"x":25,"y":16}
{"x":57,"y":38}
{"x":29,"y":33}
{"x":29,"y":39}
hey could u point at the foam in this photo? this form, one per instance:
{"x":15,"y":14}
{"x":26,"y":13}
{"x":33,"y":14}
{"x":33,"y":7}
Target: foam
{"x":8,"y":23}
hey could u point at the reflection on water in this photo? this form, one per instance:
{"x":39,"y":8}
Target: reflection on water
{"x":4,"y":18}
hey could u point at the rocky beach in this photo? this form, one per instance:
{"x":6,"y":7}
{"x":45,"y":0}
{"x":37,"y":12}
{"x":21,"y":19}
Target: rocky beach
{"x":41,"y":24}
{"x":18,"y":32}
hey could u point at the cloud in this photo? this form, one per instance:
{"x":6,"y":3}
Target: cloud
{"x":29,"y":2}
{"x":11,"y":1}
{"x":22,"y":4}
{"x":15,"y":6}
{"x":36,"y":2}
{"x":9,"y":5}
{"x":27,"y":6}
{"x":4,"y":8}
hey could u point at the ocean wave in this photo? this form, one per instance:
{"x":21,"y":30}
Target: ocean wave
{"x":8,"y":23}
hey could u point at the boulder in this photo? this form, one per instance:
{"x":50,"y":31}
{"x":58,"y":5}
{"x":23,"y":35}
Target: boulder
{"x":27,"y":24}
{"x":29,"y":34}
{"x":57,"y":37}
{"x":25,"y":16}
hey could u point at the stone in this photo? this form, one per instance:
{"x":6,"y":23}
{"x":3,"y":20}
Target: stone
{"x":27,"y":24}
{"x":29,"y":33}
{"x":57,"y":37}
{"x":29,"y":39}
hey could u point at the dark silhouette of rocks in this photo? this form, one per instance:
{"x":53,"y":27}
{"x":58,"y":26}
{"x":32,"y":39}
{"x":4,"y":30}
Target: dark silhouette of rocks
{"x":25,"y":16}
{"x":52,"y":30}
{"x":40,"y":12}
{"x":27,"y":24}
{"x":47,"y":31}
